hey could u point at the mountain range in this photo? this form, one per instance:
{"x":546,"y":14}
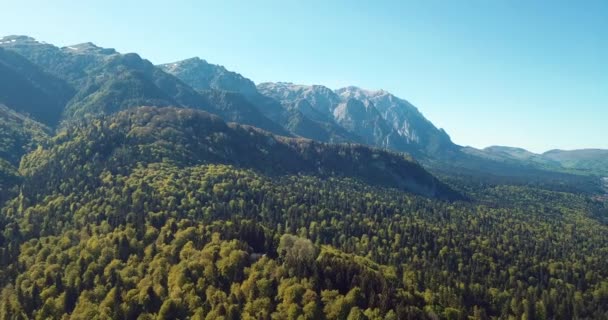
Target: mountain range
{"x":79,"y":81}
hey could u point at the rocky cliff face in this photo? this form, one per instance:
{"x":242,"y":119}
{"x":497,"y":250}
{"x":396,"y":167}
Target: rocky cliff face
{"x":411,"y":126}
{"x":379,"y":117}
{"x":320,"y":98}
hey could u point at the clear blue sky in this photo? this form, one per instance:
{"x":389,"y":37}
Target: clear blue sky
{"x":532,"y":74}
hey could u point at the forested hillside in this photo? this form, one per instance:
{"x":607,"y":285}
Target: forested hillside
{"x":133,"y":216}
{"x":189,"y":137}
{"x":131,"y":191}
{"x":19,"y":135}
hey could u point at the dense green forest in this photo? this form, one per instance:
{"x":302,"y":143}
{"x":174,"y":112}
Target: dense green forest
{"x":110,"y":210}
{"x":150,"y":215}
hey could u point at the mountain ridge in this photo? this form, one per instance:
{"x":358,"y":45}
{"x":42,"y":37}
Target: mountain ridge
{"x":190,"y":137}
{"x":104,"y":81}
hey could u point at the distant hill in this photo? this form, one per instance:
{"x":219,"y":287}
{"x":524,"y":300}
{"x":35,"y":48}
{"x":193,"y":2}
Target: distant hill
{"x":586,"y":161}
{"x":592,"y":160}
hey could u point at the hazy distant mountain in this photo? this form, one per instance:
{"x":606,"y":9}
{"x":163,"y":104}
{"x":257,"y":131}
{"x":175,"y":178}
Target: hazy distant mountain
{"x":502,"y":153}
{"x":235,"y":107}
{"x":593,"y":160}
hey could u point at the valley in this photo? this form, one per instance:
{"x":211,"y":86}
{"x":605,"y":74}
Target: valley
{"x":130,"y":190}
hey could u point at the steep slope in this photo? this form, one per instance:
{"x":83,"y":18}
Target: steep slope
{"x":361,"y":118}
{"x":308,"y":110}
{"x":72,"y":63}
{"x":98,"y":80}
{"x":202,"y":75}
{"x":297,"y":118}
{"x":320,"y":98}
{"x":410,"y":124}
{"x":301,"y":120}
{"x":321,"y":130}
{"x":188,"y":137}
{"x":513,"y":155}
{"x":108,"y":82}
{"x":25,"y":88}
{"x":235,"y":107}
{"x":18,"y":136}
{"x":228,"y":91}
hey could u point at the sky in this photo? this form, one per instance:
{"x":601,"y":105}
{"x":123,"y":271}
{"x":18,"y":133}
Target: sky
{"x":531,"y":74}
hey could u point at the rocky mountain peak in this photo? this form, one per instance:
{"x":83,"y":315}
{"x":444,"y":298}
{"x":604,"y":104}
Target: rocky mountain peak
{"x":203,"y":75}
{"x":321,"y":98}
{"x":89,"y":48}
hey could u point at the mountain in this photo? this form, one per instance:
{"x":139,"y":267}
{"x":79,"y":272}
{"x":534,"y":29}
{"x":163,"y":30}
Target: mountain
{"x":378,"y":117}
{"x":202,"y":75}
{"x":590,"y":160}
{"x":228,"y":91}
{"x":586,"y":161}
{"x":297,"y":118}
{"x":188,"y":137}
{"x":513,"y":155}
{"x":106,"y":82}
{"x":235,"y":107}
{"x":409,"y":123}
{"x":359,"y":118}
{"x":72,"y":63}
{"x":362,"y":118}
{"x":381,"y":119}
{"x":127,"y":80}
{"x":98,"y":80}
{"x":320,"y":98}
{"x":26,"y":88}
